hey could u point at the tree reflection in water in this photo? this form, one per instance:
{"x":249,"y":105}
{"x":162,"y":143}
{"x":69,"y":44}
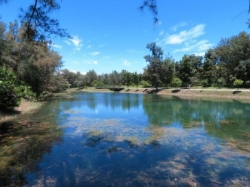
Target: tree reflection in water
{"x":112,"y":139}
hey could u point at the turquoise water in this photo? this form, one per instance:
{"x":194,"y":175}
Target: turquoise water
{"x":112,"y":139}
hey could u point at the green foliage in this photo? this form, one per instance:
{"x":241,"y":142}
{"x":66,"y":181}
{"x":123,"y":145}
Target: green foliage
{"x":209,"y":71}
{"x":145,"y":84}
{"x":136,"y":79}
{"x":234,"y":55}
{"x":153,"y":70}
{"x":205,"y":83}
{"x":58,"y":83}
{"x":221,"y":82}
{"x":97,"y":84}
{"x":238,"y":83}
{"x":167,"y":71}
{"x":11,"y":92}
{"x":176,"y":82}
{"x":190,"y":69}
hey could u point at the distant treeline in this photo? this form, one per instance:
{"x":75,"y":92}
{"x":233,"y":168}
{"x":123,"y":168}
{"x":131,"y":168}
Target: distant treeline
{"x":226,"y":65}
{"x":29,"y":68}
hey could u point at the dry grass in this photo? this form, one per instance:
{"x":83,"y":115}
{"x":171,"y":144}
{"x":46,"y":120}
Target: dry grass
{"x":25,"y":107}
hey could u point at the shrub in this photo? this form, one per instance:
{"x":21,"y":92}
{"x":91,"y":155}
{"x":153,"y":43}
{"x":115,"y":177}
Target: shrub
{"x":176,"y":82}
{"x":145,"y":84}
{"x":10,"y":91}
{"x":238,"y":83}
{"x":97,"y":84}
{"x":204,"y":83}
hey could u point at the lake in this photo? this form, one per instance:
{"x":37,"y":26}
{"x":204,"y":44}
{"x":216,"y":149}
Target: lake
{"x":112,"y":139}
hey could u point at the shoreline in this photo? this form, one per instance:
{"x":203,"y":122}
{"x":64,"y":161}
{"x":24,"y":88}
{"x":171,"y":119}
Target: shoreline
{"x":24,"y":108}
{"x":194,"y":93}
{"x":242,"y":94}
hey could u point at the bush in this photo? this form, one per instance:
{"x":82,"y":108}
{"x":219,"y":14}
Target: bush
{"x":221,"y":82}
{"x":176,"y":82}
{"x":145,"y":84}
{"x":97,"y":84}
{"x":204,"y":83}
{"x":10,"y":91}
{"x":238,"y":83}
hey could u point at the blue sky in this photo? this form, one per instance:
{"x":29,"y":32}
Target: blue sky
{"x":112,"y":35}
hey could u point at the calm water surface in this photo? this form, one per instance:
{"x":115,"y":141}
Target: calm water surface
{"x":112,"y":139}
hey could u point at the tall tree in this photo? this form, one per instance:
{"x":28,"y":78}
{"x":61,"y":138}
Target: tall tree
{"x":209,"y":71}
{"x":92,"y":76}
{"x":168,"y":68}
{"x":154,"y":67}
{"x":190,"y":68}
{"x":232,"y":51}
{"x":33,"y":64}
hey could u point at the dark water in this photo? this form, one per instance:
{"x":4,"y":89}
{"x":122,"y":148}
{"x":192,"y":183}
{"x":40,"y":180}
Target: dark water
{"x":114,"y":139}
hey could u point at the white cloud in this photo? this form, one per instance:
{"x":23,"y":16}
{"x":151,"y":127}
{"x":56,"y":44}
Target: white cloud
{"x":161,"y":33}
{"x":126,"y":63}
{"x":95,"y":62}
{"x":102,"y":45}
{"x":184,"y":35}
{"x":107,"y":57}
{"x":188,"y":41}
{"x":89,"y":46}
{"x":56,"y":46}
{"x":67,"y":42}
{"x":199,"y":47}
{"x":159,"y":23}
{"x":176,"y":27}
{"x":94,"y":53}
{"x":74,"y":71}
{"x":130,"y":50}
{"x":75,"y":62}
{"x":75,"y":41}
{"x":200,"y":54}
{"x":133,"y":51}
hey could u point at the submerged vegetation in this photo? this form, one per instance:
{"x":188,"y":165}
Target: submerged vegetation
{"x":24,"y":138}
{"x":93,"y":139}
